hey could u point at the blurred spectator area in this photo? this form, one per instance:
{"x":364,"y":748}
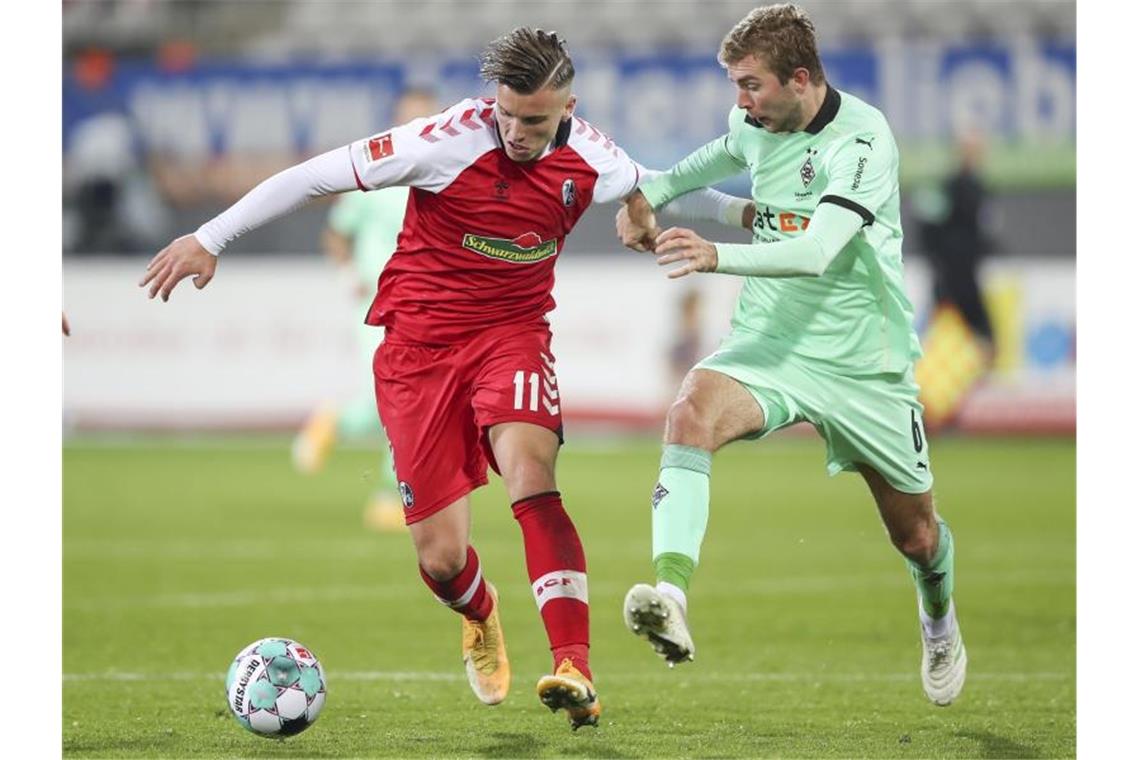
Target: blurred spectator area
{"x":334,"y":27}
{"x":175,"y":108}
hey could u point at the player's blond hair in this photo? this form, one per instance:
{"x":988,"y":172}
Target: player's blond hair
{"x":782,"y":36}
{"x":527,"y":60}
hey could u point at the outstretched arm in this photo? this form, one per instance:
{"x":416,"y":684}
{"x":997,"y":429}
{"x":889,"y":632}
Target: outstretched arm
{"x":637,"y":220}
{"x":831,"y":228}
{"x":709,"y":164}
{"x":711,"y":205}
{"x":196,"y":255}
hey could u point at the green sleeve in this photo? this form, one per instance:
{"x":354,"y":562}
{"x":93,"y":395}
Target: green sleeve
{"x":831,"y":228}
{"x":703,"y":167}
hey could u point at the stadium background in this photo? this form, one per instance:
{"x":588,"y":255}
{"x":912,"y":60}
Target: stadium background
{"x":172,"y":110}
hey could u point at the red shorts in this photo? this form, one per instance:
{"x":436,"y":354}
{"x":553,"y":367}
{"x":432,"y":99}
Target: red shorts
{"x":437,"y":402}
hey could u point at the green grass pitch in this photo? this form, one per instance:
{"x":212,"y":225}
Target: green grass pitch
{"x":178,"y":554}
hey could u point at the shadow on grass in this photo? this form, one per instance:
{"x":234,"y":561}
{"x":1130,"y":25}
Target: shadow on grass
{"x":511,"y":745}
{"x":528,"y":745}
{"x":993,"y":746}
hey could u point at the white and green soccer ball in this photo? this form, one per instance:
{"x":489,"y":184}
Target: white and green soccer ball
{"x":275,"y":687}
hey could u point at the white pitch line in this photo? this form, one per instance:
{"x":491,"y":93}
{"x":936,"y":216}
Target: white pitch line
{"x":428,"y":675}
{"x":410,"y":590}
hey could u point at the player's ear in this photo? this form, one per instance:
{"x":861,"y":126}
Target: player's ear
{"x":568,"y":111}
{"x":801,"y":78}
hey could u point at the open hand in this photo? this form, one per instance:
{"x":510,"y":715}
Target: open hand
{"x":681,"y":244}
{"x":184,"y":257}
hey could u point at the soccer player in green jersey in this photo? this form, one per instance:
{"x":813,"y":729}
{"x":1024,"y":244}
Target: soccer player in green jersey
{"x":822,"y":331}
{"x":360,"y":237}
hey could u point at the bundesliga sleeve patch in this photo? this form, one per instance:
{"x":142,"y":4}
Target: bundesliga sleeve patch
{"x":379,"y":147}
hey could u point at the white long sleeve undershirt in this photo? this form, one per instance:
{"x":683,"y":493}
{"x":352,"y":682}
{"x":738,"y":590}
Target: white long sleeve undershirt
{"x":332,"y":172}
{"x":704,"y":204}
{"x":279,"y":195}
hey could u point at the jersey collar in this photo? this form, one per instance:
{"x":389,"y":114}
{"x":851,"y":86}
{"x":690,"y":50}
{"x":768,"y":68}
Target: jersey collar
{"x":561,"y":137}
{"x":827,"y":112}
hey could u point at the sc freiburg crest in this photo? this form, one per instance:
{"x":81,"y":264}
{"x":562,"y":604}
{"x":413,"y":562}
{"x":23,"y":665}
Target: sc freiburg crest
{"x":569,"y":193}
{"x":406,"y":495}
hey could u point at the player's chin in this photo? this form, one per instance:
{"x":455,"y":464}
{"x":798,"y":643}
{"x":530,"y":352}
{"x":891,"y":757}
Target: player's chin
{"x":521,"y":156}
{"x":766,"y":122}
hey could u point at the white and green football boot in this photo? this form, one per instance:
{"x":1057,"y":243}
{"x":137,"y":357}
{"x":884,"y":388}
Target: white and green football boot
{"x":659,"y":618}
{"x":943,"y":663}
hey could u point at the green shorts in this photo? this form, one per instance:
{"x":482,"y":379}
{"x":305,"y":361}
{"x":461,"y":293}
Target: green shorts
{"x":871,"y":419}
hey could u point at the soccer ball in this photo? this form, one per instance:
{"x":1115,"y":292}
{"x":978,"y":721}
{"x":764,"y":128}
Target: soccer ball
{"x":275,"y":687}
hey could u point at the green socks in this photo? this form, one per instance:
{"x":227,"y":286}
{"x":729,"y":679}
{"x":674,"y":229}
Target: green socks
{"x":936,"y":582}
{"x":680,"y":512}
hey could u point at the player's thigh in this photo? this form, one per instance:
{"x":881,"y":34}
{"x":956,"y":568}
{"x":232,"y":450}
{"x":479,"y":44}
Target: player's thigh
{"x":525,"y":454}
{"x":711,"y":410}
{"x":423,"y":398}
{"x":515,"y":382}
{"x":875,"y":421}
{"x":754,"y":391}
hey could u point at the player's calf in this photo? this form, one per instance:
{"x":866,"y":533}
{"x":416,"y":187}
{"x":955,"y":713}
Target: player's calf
{"x":484,"y":647}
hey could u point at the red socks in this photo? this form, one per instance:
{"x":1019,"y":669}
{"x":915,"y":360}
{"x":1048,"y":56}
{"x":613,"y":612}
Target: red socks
{"x":466,"y":593}
{"x":557,"y":569}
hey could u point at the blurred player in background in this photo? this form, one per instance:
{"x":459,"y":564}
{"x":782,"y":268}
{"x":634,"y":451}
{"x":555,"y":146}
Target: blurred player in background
{"x":465,"y":376}
{"x":359,"y":238}
{"x":822,"y":331}
{"x":958,"y":346}
{"x":687,"y":344}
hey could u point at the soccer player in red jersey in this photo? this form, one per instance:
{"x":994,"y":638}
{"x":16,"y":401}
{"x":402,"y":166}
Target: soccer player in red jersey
{"x":465,"y":376}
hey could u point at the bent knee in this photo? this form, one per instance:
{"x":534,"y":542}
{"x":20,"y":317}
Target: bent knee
{"x":442,"y":563}
{"x":527,"y":476}
{"x":688,"y":424}
{"x":919,"y":543}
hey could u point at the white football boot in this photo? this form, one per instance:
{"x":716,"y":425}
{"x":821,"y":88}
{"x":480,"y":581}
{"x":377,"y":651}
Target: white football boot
{"x":943,"y":661}
{"x":660,"y":619}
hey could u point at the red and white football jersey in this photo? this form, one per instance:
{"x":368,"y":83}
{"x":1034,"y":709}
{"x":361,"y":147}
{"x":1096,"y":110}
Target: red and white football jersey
{"x":482,"y":232}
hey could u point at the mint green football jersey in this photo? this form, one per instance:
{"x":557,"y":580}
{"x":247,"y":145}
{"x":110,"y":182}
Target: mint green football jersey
{"x":372,"y":220}
{"x":855,"y":318}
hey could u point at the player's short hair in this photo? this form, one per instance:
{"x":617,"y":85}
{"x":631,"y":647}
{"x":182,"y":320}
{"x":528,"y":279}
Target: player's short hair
{"x":527,"y":60}
{"x":782,"y":36}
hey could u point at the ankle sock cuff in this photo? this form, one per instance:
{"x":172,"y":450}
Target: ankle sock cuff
{"x":687,"y":458}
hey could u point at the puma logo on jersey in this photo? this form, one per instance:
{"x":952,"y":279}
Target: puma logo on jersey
{"x":861,"y":141}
